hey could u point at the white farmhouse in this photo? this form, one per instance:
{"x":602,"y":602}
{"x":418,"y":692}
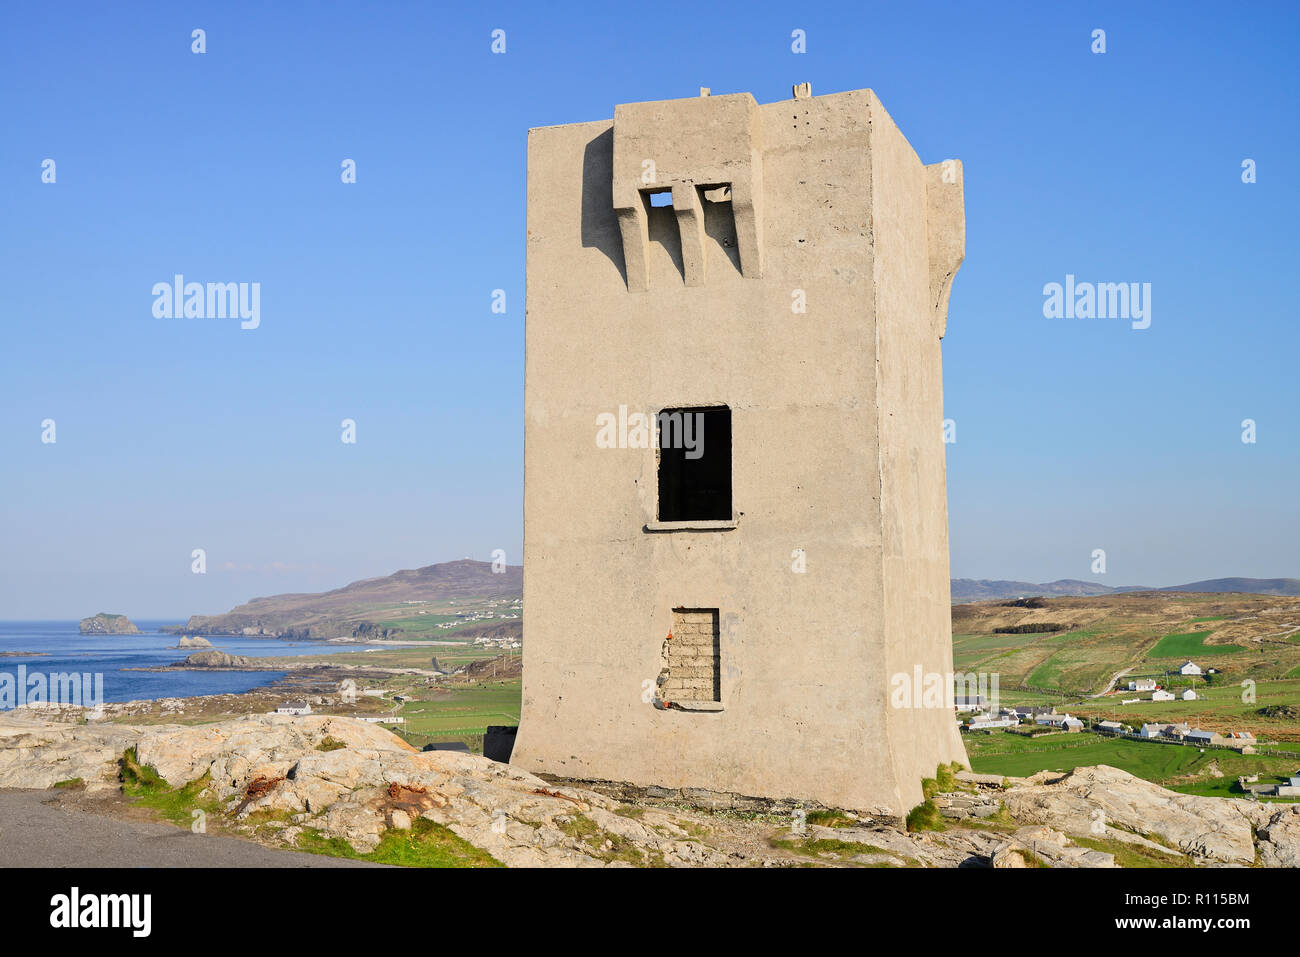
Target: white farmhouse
{"x":984,"y":721}
{"x":1189,"y":668}
{"x":1189,"y":695}
{"x":294,"y":707}
{"x":1063,"y":721}
{"x":1162,"y":696}
{"x":1142,"y":684}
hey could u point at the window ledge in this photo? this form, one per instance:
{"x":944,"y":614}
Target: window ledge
{"x":695,"y":525}
{"x":696,"y":705}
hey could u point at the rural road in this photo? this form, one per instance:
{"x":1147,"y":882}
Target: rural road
{"x":1106,"y":690}
{"x":36,"y":832}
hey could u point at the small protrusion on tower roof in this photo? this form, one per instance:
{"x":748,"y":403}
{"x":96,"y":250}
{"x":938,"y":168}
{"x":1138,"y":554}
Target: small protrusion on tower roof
{"x":705,"y":91}
{"x":802,"y":91}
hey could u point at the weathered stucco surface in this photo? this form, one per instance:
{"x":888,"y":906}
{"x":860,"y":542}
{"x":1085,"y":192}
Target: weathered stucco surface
{"x":836,"y":445}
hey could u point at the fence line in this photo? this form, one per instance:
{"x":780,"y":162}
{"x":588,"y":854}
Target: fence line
{"x":1160,"y":739}
{"x":453,"y":732}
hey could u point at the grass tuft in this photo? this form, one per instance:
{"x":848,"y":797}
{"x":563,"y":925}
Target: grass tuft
{"x":925,"y":817}
{"x":138,"y":779}
{"x":426,"y":844}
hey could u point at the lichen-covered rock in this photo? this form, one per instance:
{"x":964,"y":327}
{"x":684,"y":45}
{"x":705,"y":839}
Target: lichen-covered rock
{"x":293,"y":769}
{"x":258,"y":744}
{"x":1090,"y":802}
{"x":1009,"y":856}
{"x":1279,"y":836}
{"x":1052,"y":848}
{"x":35,"y":753}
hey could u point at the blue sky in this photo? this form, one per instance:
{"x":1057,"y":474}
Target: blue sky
{"x":175,"y":434}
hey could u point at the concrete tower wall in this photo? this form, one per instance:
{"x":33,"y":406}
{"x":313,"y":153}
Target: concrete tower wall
{"x":836,"y":447}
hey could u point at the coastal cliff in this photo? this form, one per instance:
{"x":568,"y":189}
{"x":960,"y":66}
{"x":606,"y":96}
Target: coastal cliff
{"x":373,"y":609}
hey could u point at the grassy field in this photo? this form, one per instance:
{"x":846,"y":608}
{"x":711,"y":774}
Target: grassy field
{"x":413,"y":656}
{"x":1254,"y":637}
{"x":1074,"y":664}
{"x":451,"y":708}
{"x":463,"y":708}
{"x":1218,"y":707}
{"x":1191,"y":645}
{"x":423,"y":621}
{"x":1212,"y":772}
{"x":1018,"y":756}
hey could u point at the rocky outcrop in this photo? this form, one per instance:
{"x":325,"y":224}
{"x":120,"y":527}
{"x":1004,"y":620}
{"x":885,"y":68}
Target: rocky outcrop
{"x":1100,"y":801}
{"x":187,"y":643}
{"x":212,"y":659}
{"x":1279,"y":836}
{"x":369,"y":631}
{"x":377,"y":782}
{"x":1038,"y":846}
{"x":106,"y":624}
{"x":342,"y":778}
{"x":962,"y":806}
{"x":38,"y":754}
{"x":374,"y":783}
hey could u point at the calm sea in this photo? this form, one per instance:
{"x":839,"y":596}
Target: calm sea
{"x":68,"y":651}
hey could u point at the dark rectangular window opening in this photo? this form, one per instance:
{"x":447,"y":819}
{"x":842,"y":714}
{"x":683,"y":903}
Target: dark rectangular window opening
{"x":694,"y":464}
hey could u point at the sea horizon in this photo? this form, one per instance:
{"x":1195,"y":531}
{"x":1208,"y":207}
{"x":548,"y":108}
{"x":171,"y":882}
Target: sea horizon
{"x":35,"y":649}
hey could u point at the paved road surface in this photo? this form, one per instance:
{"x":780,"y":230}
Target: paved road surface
{"x":1111,"y":684}
{"x":35,"y":833}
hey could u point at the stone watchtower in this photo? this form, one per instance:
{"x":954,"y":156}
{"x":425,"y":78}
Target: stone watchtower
{"x":733,"y":436}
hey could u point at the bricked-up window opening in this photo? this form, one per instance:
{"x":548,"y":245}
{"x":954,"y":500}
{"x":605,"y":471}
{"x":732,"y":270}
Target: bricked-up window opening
{"x":695,"y":464}
{"x":693,"y":671}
